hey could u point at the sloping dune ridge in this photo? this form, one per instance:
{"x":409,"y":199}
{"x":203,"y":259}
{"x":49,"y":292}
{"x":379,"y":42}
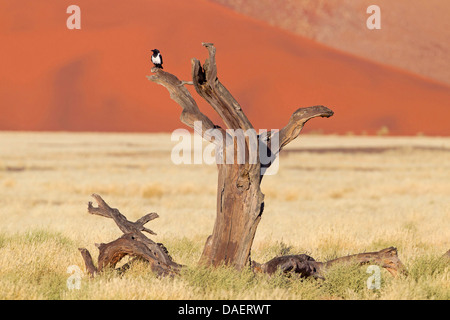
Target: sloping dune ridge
{"x":413,"y":36}
{"x":93,"y":79}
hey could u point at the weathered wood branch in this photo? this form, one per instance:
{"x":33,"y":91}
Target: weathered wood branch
{"x":208,"y":86}
{"x":90,"y":267}
{"x":298,"y":120}
{"x":133,"y":243}
{"x":111,"y":253}
{"x":306,"y":266}
{"x":190,"y":113}
{"x":276,"y":140}
{"x":121,"y":221}
{"x":386,"y":258}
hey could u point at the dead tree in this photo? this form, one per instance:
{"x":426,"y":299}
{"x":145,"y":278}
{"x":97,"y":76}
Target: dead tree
{"x":240,"y":202}
{"x":133,"y":243}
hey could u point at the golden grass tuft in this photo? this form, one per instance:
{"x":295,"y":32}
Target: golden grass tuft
{"x":152,"y":191}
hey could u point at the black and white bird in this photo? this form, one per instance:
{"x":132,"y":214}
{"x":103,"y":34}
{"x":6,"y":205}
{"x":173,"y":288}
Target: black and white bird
{"x":157,"y":59}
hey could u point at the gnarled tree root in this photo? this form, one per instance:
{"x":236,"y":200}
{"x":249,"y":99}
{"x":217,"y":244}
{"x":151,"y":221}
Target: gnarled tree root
{"x":133,"y":243}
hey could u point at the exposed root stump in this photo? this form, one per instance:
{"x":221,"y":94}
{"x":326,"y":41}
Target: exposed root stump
{"x":133,"y":243}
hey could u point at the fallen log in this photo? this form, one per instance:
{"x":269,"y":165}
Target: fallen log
{"x":305,"y":266}
{"x":133,"y":243}
{"x":302,"y":264}
{"x":386,"y":258}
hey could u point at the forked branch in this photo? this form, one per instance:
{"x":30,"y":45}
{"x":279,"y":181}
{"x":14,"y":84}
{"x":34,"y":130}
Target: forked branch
{"x":190,"y":113}
{"x":209,"y":88}
{"x":122,"y":222}
{"x":298,"y":120}
{"x":133,"y":243}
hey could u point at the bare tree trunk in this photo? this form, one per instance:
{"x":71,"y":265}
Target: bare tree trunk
{"x":240,"y":202}
{"x":239,"y":209}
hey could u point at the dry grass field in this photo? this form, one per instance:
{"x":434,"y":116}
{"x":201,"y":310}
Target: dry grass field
{"x":332,"y":196}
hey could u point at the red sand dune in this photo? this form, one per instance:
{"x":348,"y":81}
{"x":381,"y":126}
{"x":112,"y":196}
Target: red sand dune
{"x":414,"y":34}
{"x":93,"y":79}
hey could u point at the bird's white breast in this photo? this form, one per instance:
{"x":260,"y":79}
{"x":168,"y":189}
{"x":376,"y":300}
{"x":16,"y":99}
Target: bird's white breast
{"x":157,"y":59}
